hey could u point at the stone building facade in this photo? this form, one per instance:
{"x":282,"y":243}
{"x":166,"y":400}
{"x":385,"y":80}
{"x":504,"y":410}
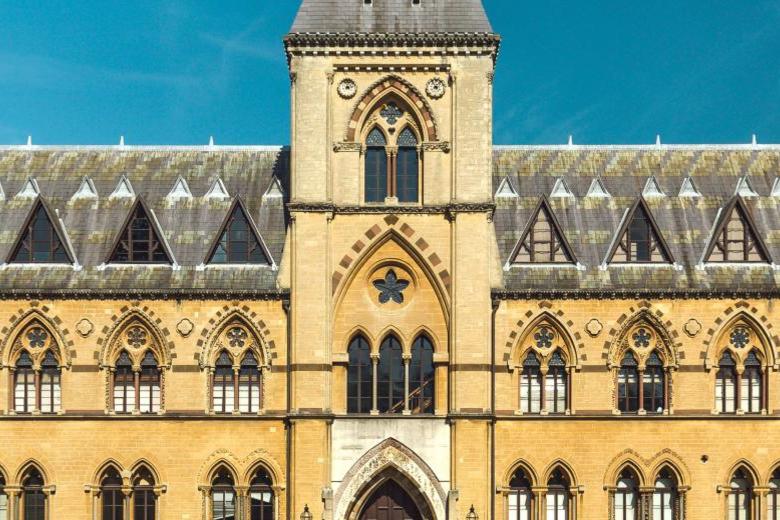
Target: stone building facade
{"x":391,"y":318}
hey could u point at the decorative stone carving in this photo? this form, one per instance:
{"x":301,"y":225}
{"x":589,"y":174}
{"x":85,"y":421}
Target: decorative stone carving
{"x":347,"y":88}
{"x":347,"y":147}
{"x":692,"y":327}
{"x":84,"y":327}
{"x":185,"y":327}
{"x":439,"y":146}
{"x":435,"y":88}
{"x":594,"y":327}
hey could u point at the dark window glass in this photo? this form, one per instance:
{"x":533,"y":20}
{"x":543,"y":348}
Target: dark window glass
{"x":249,"y":387}
{"x":628,"y":384}
{"x":223,"y":496}
{"x":640,"y":242}
{"x":24,"y":384}
{"x":223,"y":390}
{"x":111,"y":496}
{"x":654,"y":384}
{"x":50,"y":384}
{"x":359,"y":377}
{"x":726,"y":384}
{"x":558,"y":496}
{"x":627,"y":496}
{"x":40,"y":242}
{"x":750,"y":388}
{"x":149,"y":385}
{"x":421,"y":377}
{"x":124,"y":384}
{"x":531,"y":385}
{"x":261,"y":495}
{"x":740,"y":498}
{"x":139,"y":242}
{"x":376,"y":167}
{"x":665,"y":496}
{"x":33,"y":499}
{"x":520,"y":498}
{"x":390,"y":384}
{"x":144,"y":498}
{"x":407,"y":167}
{"x":238,"y":243}
{"x":555,"y":384}
{"x":774,"y":496}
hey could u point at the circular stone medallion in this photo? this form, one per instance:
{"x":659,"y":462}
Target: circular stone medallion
{"x":347,"y":88}
{"x":435,"y":88}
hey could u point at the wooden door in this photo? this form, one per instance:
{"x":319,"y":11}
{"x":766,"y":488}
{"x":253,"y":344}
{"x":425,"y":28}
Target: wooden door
{"x":390,"y":502}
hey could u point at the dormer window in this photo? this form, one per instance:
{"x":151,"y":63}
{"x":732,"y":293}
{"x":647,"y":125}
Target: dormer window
{"x":392,"y":157}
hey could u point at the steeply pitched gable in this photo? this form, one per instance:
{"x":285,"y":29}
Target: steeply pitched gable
{"x":239,"y":241}
{"x":638,"y":239}
{"x":140,"y":241}
{"x":40,"y":240}
{"x":735,"y":238}
{"x":543,"y":240}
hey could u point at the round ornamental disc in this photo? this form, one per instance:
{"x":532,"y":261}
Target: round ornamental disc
{"x":347,"y":88}
{"x":435,"y":88}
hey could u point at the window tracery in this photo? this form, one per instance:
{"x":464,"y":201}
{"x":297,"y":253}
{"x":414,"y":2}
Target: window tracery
{"x":36,"y":370}
{"x":34,"y":500}
{"x":741,"y":382}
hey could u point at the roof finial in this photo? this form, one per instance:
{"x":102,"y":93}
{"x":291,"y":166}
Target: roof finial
{"x":211,"y":140}
{"x":658,"y":139}
{"x":29,"y":141}
{"x":121,"y":140}
{"x":571,"y":140}
{"x":754,"y":142}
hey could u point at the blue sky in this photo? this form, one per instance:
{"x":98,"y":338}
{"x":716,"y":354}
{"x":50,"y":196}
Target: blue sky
{"x":178,"y":71}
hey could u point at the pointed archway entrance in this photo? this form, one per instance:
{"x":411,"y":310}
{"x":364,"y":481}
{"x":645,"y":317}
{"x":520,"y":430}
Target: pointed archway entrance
{"x":390,"y":502}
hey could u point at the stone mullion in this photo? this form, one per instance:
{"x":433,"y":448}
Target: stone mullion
{"x":543,"y":391}
{"x":738,"y":392}
{"x":13,"y":501}
{"x":236,"y":370}
{"x":645,"y":503}
{"x":667,"y":392}
{"x":569,"y":397}
{"x":137,"y":387}
{"x":610,"y":502}
{"x":407,"y":362}
{"x":374,"y":384}
{"x":37,"y":383}
{"x":764,"y":404}
{"x":641,"y":381}
{"x":12,"y":389}
{"x":538,"y":502}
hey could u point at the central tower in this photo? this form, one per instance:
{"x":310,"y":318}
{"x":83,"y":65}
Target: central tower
{"x":391,"y":196}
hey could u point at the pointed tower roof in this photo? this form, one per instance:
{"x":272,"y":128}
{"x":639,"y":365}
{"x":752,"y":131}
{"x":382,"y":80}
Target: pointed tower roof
{"x":391,"y":17}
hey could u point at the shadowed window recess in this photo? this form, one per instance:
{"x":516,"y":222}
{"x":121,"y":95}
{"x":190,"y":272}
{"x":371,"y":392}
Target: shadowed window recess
{"x":543,"y":240}
{"x":40,"y":241}
{"x":140,"y":240}
{"x":239,"y":241}
{"x":639,"y":238}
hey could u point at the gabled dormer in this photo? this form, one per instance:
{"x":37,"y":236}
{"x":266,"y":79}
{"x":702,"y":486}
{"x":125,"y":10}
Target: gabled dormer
{"x":41,"y":240}
{"x":140,"y":240}
{"x":735,"y":237}
{"x":543,"y":240}
{"x":638,"y":239}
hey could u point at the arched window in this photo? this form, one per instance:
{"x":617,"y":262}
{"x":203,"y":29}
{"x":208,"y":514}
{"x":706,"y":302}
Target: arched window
{"x":24,"y":384}
{"x":223,"y":389}
{"x":626,"y":498}
{"x":407,"y":167}
{"x":521,"y":498}
{"x":726,"y":384}
{"x":390,"y":377}
{"x":750,"y":385}
{"x":555,"y":384}
{"x":654,"y":384}
{"x":144,"y":496}
{"x":421,"y":377}
{"x":249,"y":385}
{"x":531,"y":384}
{"x":33,"y":498}
{"x":50,"y":384}
{"x":223,"y":496}
{"x":773,"y":497}
{"x":261,"y":496}
{"x":558,"y":499}
{"x":628,"y":384}
{"x":124,"y":384}
{"x":665,"y":504}
{"x":376,"y":167}
{"x":111,"y":495}
{"x":3,"y":499}
{"x":740,"y":501}
{"x":359,"y":377}
{"x":149,"y":391}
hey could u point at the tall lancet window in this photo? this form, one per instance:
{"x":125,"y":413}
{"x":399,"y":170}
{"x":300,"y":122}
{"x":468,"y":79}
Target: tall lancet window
{"x":407,"y":167}
{"x":376,"y":167}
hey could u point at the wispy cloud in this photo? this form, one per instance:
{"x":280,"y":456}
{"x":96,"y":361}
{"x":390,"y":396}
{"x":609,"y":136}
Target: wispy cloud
{"x":238,"y":46}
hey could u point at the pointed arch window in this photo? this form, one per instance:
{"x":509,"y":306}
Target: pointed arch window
{"x":144,"y":495}
{"x":359,"y":377}
{"x":261,"y":496}
{"x":407,"y":167}
{"x":40,"y":242}
{"x":239,"y":242}
{"x":50,"y":384}
{"x":24,"y":384}
{"x":751,"y":384}
{"x":740,"y":496}
{"x":558,"y":499}
{"x":421,"y":377}
{"x":543,"y":241}
{"x":376,"y":162}
{"x":223,"y":388}
{"x":521,"y":498}
{"x":531,"y":384}
{"x":3,"y":499}
{"x":140,"y":240}
{"x":626,"y":499}
{"x":665,"y":496}
{"x":628,"y":384}
{"x":33,"y":500}
{"x":223,"y":496}
{"x":149,"y":384}
{"x":726,"y":384}
{"x":124,"y":384}
{"x":773,"y":497}
{"x":653,"y":380}
{"x":735,"y":237}
{"x":390,"y":377}
{"x":249,"y":385}
{"x":640,"y":239}
{"x":555,"y":384}
{"x":111,"y":495}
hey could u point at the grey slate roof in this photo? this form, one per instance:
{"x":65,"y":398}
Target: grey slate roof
{"x":590,"y":224}
{"x":391,"y":17}
{"x":189,"y":225}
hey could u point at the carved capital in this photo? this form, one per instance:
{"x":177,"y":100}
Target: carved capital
{"x":347,"y":146}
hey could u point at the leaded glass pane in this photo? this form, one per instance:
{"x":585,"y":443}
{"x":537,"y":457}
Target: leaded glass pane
{"x":40,"y":241}
{"x":359,"y":377}
{"x":390,"y":384}
{"x":421,"y":372}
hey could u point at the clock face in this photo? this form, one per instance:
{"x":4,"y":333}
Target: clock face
{"x":435,"y":88}
{"x":347,"y":88}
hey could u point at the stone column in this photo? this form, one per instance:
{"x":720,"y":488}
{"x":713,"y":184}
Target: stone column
{"x":407,"y":362}
{"x":236,"y":370}
{"x":374,"y":383}
{"x":137,"y":390}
